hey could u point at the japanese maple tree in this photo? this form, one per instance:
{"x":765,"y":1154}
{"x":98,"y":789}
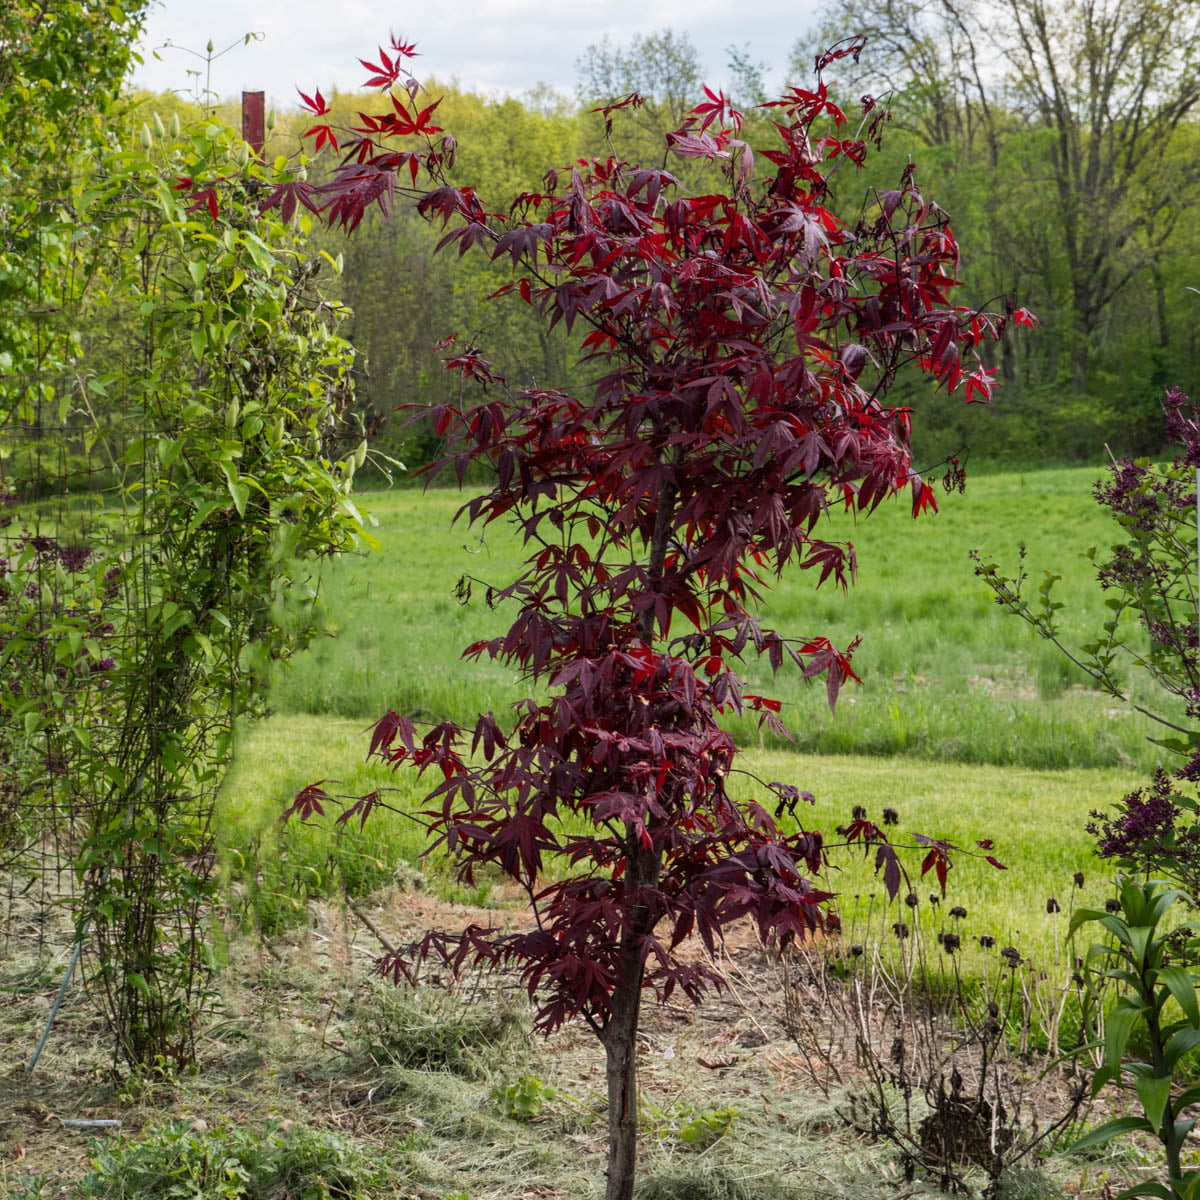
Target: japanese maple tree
{"x":744,"y":342}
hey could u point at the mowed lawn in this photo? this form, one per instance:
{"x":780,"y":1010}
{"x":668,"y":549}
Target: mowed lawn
{"x":966,"y":722}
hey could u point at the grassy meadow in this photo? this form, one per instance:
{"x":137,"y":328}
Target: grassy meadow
{"x":965,"y":722}
{"x":946,"y":676}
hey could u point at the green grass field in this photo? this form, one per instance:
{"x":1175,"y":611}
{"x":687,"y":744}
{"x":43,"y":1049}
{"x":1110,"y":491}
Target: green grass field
{"x":966,"y":722}
{"x":946,"y":676}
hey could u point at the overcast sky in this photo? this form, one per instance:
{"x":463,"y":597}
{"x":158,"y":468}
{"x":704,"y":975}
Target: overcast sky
{"x":491,"y":46}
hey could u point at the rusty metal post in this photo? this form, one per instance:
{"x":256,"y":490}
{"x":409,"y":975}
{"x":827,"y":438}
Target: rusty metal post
{"x":254,"y":120}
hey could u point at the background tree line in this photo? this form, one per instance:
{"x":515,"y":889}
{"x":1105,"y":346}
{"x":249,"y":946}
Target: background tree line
{"x":1061,"y":136}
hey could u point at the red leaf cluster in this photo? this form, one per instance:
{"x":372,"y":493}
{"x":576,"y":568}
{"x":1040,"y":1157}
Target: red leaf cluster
{"x":744,"y":344}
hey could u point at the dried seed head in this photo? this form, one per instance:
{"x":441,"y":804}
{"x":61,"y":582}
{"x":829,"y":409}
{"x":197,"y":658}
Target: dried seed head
{"x":858,"y":813}
{"x":900,"y":930}
{"x":1112,"y":905}
{"x":891,"y":816}
{"x":1052,"y":905}
{"x":1011,"y":956}
{"x":993,"y":1009}
{"x":958,"y":912}
{"x":987,"y":941}
{"x":856,"y":952}
{"x":1078,"y":877}
{"x":951,"y":942}
{"x":934,"y":899}
{"x":912,"y":900}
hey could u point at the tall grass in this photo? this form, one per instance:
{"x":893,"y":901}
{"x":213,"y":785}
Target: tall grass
{"x":946,"y":677}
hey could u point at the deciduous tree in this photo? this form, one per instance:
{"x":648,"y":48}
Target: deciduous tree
{"x":743,"y":341}
{"x":1100,"y":90}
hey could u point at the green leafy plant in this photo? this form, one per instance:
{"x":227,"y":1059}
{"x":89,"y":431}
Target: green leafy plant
{"x":525,"y":1099}
{"x":192,"y":353}
{"x":1137,"y":958}
{"x":181,"y":1160}
{"x":702,"y":1129}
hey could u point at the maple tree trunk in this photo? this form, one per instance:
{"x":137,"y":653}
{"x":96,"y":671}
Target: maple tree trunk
{"x":620,"y":1032}
{"x":620,"y":1049}
{"x":643,"y":866}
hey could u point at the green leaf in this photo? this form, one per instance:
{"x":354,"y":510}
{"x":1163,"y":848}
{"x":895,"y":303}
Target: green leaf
{"x":260,"y":255}
{"x":237,"y":489}
{"x":1180,"y":1044}
{"x":1183,"y":988}
{"x":1109,"y":1130}
{"x":1084,"y":915}
{"x":138,"y":981}
{"x":1191,"y":1096}
{"x":1148,"y":1188}
{"x":1154,"y":1092}
{"x":1118,"y":1025}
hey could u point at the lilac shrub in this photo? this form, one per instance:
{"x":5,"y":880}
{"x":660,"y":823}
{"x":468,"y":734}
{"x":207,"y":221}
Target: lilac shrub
{"x":1151,"y":577}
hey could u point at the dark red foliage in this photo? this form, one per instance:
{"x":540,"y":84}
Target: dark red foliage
{"x":744,"y":342}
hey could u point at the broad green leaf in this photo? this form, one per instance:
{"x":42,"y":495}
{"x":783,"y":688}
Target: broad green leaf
{"x":241,"y":494}
{"x":1149,"y":1188}
{"x":1109,"y":1130}
{"x":1118,"y":1025}
{"x":237,"y":490}
{"x":1154,"y":1094}
{"x":1180,"y":1043}
{"x":1183,"y":988}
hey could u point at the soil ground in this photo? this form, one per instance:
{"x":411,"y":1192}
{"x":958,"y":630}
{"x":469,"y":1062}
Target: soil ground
{"x":301,"y":1033}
